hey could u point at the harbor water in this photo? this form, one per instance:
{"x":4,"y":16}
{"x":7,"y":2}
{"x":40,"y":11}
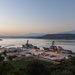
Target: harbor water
{"x":66,"y":44}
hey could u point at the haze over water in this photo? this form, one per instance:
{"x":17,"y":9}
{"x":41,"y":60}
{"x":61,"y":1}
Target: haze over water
{"x":66,"y":44}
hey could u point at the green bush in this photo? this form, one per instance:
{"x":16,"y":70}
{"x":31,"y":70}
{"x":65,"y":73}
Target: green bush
{"x":37,"y":68}
{"x":64,"y":72}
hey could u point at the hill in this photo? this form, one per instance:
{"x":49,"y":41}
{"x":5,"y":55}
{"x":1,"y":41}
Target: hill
{"x":44,"y":36}
{"x":30,"y":35}
{"x":58,"y":36}
{"x":34,"y":35}
{"x":68,"y":32}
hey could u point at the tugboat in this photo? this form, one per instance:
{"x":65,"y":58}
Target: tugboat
{"x":58,"y":49}
{"x":52,"y":47}
{"x":27,"y":45}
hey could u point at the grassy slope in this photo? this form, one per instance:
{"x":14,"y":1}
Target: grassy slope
{"x":23,"y":63}
{"x":19,"y":63}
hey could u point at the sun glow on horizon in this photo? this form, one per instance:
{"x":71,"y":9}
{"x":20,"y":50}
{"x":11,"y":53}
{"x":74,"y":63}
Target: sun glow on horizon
{"x":36,"y":16}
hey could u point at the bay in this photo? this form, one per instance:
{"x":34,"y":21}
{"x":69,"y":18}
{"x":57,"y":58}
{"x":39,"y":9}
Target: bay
{"x":17,"y":42}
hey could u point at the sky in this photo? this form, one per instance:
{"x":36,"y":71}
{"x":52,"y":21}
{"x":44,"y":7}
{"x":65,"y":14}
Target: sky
{"x":19,"y":17}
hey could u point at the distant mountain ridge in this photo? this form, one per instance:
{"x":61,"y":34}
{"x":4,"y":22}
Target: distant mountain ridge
{"x":30,"y":35}
{"x":70,"y":35}
{"x":68,"y":32}
{"x":58,"y":36}
{"x":34,"y":34}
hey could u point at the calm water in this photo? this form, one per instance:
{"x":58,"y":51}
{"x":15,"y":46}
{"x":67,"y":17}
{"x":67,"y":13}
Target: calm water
{"x":66,"y":44}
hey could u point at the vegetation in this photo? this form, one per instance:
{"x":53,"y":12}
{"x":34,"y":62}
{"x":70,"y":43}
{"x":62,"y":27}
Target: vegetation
{"x":19,"y":63}
{"x":37,"y":67}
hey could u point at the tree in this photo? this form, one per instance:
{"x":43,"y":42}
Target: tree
{"x":5,"y":53}
{"x":1,"y":58}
